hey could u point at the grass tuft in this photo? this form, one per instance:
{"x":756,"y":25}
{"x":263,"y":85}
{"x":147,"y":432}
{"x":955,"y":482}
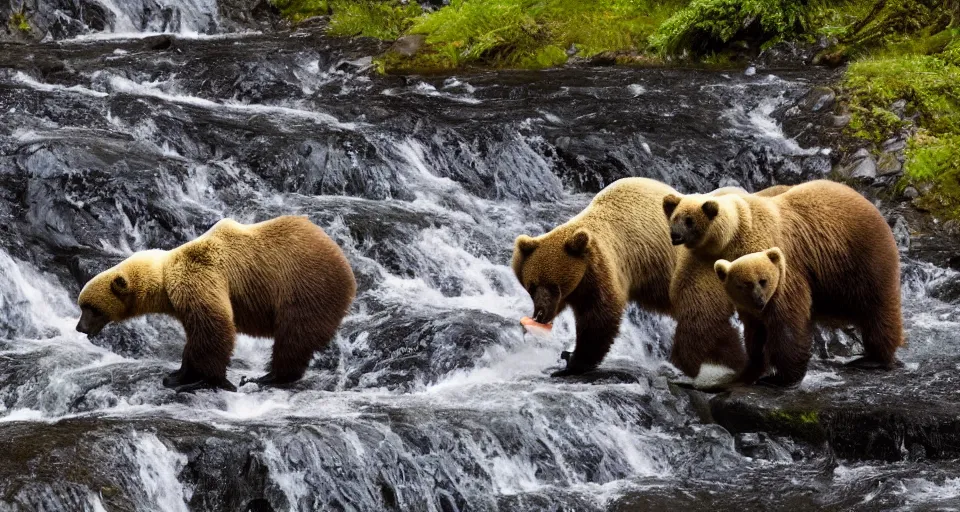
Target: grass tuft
{"x":299,"y":10}
{"x":371,"y":18}
{"x":534,"y":33}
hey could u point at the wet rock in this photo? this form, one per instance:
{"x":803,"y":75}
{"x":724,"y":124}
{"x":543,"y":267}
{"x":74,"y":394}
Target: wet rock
{"x":888,"y":165}
{"x":759,"y":445}
{"x":902,"y":410}
{"x":819,"y":98}
{"x":899,"y":107}
{"x":840,"y":121}
{"x":863,"y":167}
{"x":901,"y":232}
{"x":408,"y":45}
{"x":910,"y":193}
{"x":947,"y":290}
{"x":894,"y":144}
{"x":860,"y":154}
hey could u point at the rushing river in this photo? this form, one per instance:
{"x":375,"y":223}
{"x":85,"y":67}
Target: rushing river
{"x":430,"y":398}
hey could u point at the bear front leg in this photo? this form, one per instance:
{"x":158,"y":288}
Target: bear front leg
{"x":210,"y":338}
{"x":755,"y":338}
{"x":706,"y":345}
{"x":597,"y":327}
{"x":789,"y":336}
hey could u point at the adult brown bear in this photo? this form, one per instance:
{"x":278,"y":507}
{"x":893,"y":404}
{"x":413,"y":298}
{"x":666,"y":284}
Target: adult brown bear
{"x":844,"y":265}
{"x":282,"y":278}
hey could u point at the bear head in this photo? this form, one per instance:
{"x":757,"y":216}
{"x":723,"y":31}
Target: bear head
{"x":752,"y":279}
{"x":550,"y":267}
{"x":113,"y":295}
{"x":699,"y":220}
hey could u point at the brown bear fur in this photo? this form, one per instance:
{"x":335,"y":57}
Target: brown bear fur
{"x":844,"y":265}
{"x":705,"y":335}
{"x":282,"y":278}
{"x":752,"y":282}
{"x":615,"y":251}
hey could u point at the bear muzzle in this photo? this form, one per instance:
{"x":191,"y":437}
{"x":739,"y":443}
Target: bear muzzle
{"x":91,"y":324}
{"x":676,"y":237}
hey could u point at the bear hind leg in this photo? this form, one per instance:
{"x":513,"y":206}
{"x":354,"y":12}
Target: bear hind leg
{"x":293,"y":348}
{"x":882,"y":335}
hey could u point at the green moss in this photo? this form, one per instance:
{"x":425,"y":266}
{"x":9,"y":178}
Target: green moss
{"x":19,"y":21}
{"x":804,"y":418}
{"x":371,"y":18}
{"x":532,"y":33}
{"x":926,"y":73}
{"x":935,"y":162}
{"x":707,"y":25}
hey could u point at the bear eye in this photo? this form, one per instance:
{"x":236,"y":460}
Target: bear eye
{"x":92,"y":309}
{"x":763,"y":283}
{"x":688,"y":221}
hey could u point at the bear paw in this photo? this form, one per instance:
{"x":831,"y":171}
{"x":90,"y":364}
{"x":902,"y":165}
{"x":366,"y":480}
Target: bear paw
{"x":184,"y":382}
{"x":869,"y":363}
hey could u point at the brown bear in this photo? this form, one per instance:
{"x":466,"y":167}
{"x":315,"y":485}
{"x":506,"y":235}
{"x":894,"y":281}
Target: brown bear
{"x":753,"y":284}
{"x":617,"y":250}
{"x":844,"y":265}
{"x":282,"y":278}
{"x":706,"y":343}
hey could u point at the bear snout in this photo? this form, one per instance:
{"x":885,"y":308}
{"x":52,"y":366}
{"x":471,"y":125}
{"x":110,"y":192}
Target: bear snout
{"x":676,"y":237}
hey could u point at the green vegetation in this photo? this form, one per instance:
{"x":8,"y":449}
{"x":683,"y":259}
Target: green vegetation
{"x":382,"y":20}
{"x":19,"y":21}
{"x":533,"y":33}
{"x":299,"y":10}
{"x":705,"y":26}
{"x":925,"y":73}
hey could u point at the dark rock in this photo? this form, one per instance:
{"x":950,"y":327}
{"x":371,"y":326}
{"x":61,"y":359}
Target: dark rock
{"x":901,"y":232}
{"x":911,"y":193}
{"x":840,"y":121}
{"x":862,"y":167}
{"x":947,"y":290}
{"x":408,"y":45}
{"x":902,"y":410}
{"x":899,"y":107}
{"x":894,"y":144}
{"x":819,"y":98}
{"x":888,"y":165}
{"x":603,"y":59}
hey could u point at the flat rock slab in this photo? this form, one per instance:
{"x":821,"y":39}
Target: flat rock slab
{"x":905,"y":414}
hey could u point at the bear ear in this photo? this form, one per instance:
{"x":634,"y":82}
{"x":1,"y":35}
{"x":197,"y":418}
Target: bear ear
{"x":577,"y":244}
{"x":670,"y":202}
{"x":526,"y":244}
{"x":722,"y":268}
{"x":710,"y":209}
{"x":119,"y":285}
{"x":775,"y":255}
